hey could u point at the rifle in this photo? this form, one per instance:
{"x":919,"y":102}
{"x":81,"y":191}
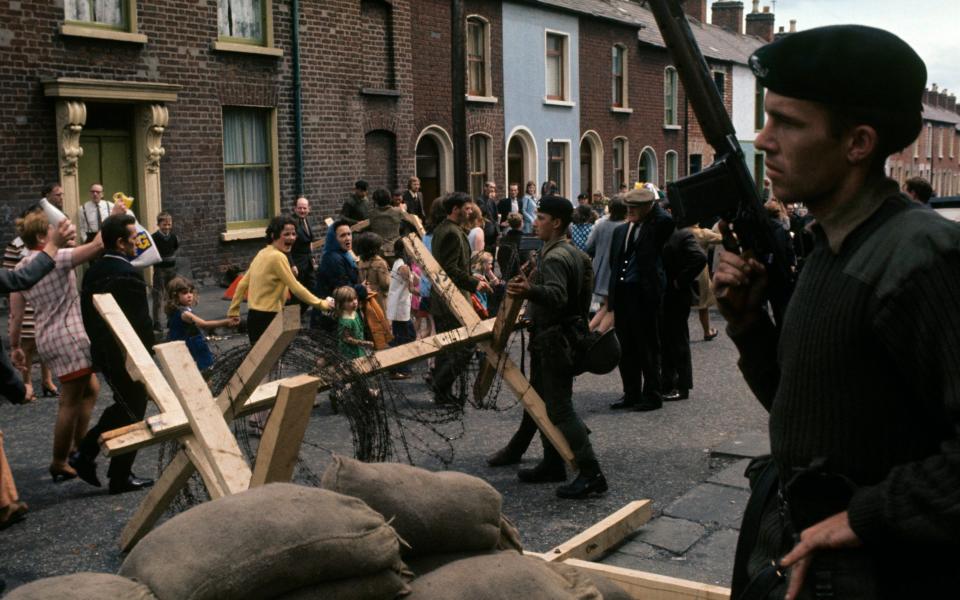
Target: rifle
{"x":725,"y":189}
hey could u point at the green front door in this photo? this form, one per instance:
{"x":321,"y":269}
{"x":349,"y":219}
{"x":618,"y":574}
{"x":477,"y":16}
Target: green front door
{"x":108,"y":160}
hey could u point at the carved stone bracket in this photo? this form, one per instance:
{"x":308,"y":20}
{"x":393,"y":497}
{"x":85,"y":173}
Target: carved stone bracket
{"x":156,"y":120}
{"x":72,"y":114}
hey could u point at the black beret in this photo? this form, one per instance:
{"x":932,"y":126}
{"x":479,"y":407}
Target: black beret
{"x":846,"y":65}
{"x":556,"y":206}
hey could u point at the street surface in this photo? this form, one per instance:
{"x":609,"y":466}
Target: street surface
{"x":686,"y":457}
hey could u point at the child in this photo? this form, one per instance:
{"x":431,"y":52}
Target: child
{"x":349,"y":324}
{"x":403,"y":288}
{"x":166,"y":269}
{"x":183,"y":325}
{"x":481,"y":266}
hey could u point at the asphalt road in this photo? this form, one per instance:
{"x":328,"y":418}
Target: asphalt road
{"x":659,"y":455}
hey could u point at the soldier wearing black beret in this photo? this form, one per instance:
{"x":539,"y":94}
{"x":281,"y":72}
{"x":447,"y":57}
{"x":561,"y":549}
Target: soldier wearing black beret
{"x":861,"y":379}
{"x":559,"y":294}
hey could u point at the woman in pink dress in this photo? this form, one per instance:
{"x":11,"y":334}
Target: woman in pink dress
{"x":61,"y":339}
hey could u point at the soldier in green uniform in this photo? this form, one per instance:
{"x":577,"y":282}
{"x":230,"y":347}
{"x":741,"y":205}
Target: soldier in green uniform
{"x":559,"y":297}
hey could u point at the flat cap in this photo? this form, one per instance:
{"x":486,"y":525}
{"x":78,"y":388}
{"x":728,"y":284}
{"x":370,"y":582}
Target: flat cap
{"x":638,"y":196}
{"x":846,"y":65}
{"x":556,"y":206}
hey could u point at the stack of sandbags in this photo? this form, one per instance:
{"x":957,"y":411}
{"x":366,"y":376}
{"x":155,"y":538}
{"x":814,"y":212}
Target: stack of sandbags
{"x":434,"y":513}
{"x":275,"y":541}
{"x":82,"y":586}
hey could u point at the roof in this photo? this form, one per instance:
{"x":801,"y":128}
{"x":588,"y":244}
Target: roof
{"x":943,"y":115}
{"x":715,"y":42}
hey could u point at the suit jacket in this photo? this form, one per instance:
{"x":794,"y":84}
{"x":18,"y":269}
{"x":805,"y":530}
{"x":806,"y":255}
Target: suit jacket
{"x":113,"y":274}
{"x":301,"y":255}
{"x":491,"y":227}
{"x":452,"y":251}
{"x":683,"y":261}
{"x":644,"y":258}
{"x":503,"y":208}
{"x":414,"y":203}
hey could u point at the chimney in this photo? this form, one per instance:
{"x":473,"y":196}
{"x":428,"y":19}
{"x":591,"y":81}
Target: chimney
{"x":696,"y":9}
{"x":760,"y":24}
{"x":933,"y":88}
{"x":729,"y":15}
{"x":951,"y":103}
{"x":793,"y":25}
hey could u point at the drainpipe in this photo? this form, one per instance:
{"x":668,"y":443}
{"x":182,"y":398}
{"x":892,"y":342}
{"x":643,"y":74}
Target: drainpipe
{"x":297,"y":97}
{"x":458,"y":81}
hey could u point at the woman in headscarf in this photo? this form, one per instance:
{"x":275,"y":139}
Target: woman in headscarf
{"x":338,"y":267}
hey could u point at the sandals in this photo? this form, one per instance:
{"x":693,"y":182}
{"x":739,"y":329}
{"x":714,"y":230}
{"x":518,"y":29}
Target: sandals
{"x":50,"y":392}
{"x":709,"y":336}
{"x":13,"y":513}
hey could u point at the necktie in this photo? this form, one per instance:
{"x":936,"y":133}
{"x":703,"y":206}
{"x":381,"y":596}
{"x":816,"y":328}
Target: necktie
{"x":306,"y":228}
{"x":631,"y":237}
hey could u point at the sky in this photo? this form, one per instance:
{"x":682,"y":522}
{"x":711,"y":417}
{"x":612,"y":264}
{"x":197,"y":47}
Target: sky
{"x":930,"y":26}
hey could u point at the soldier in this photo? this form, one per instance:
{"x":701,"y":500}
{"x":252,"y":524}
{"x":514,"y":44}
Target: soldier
{"x":860,"y":378}
{"x":559,"y":297}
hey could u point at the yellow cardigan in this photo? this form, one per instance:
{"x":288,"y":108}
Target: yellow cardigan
{"x":268,"y":279}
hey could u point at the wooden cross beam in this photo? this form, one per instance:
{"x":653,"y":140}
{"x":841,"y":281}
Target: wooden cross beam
{"x":444,"y":289}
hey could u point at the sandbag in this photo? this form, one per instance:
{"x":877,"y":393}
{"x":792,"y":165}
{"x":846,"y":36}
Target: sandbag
{"x":82,"y":586}
{"x":497,"y":576}
{"x":421,"y":565}
{"x":509,"y":536}
{"x":385,"y":585}
{"x":432,"y":512}
{"x":261,"y":543}
{"x":607,"y":588}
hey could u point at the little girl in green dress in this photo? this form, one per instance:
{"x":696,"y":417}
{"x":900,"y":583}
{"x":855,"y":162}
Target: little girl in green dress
{"x":349,"y":324}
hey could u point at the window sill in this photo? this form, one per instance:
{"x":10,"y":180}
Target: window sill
{"x":673,"y":127}
{"x":380,"y":92}
{"x":564,"y":103}
{"x":236,"y":235}
{"x":98,"y":33}
{"x":246,"y":49}
{"x":621,"y":109}
{"x":483,"y":99}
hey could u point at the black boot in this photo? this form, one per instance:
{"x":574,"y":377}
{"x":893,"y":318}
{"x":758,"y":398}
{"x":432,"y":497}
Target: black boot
{"x":544,"y":472}
{"x":85,"y":467}
{"x":503,"y":457}
{"x":590,"y":481}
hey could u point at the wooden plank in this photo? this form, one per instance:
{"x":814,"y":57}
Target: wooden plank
{"x":360,"y":225}
{"x":443,"y":288}
{"x":650,"y":586}
{"x":213,"y":438}
{"x":532,"y":403}
{"x":156,"y":500}
{"x":139,"y":363}
{"x":595,"y":541}
{"x":207,"y":471}
{"x":505,"y":322}
{"x":137,"y":436}
{"x":281,"y":439}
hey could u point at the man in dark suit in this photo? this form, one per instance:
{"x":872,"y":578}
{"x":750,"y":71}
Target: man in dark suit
{"x":413,"y":198}
{"x":488,"y":207}
{"x":511,"y":204}
{"x":113,"y":274}
{"x":301,"y":255}
{"x":683,"y":261}
{"x":635,"y":295}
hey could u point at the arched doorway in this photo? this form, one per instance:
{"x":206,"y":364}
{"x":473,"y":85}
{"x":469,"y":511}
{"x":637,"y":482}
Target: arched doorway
{"x":428,"y":169}
{"x":515,"y":163}
{"x":591,"y":164}
{"x":647,"y":167}
{"x":521,"y":159}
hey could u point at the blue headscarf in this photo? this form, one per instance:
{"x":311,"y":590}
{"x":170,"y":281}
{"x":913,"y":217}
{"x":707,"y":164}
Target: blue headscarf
{"x":332,"y":245}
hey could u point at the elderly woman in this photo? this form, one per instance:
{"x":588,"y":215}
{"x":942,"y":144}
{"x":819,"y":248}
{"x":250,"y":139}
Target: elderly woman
{"x":338,"y":267}
{"x":61,"y":338}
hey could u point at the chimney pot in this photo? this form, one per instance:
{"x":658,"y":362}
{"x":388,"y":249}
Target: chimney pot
{"x":933,"y":87}
{"x":756,"y":6}
{"x":766,"y":9}
{"x":781,"y":29}
{"x":793,"y":25}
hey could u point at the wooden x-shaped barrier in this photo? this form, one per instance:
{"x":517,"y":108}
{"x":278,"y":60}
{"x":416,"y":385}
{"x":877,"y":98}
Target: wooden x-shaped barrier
{"x":188,"y":411}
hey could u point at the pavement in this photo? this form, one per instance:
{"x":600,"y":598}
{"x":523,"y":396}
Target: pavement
{"x":688,"y":458}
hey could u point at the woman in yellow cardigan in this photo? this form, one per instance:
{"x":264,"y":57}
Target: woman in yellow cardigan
{"x":269,"y":278}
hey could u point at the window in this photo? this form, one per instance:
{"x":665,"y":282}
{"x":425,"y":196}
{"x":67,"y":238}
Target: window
{"x":241,"y":20}
{"x":557,"y":165}
{"x":695,"y":163}
{"x":940,"y":142}
{"x":619,"y":70}
{"x":556,"y":67}
{"x":479,"y":148}
{"x":619,"y":162}
{"x":647,"y":166}
{"x":104,"y":13}
{"x":669,"y":167}
{"x":951,"y":136}
{"x":719,"y":79}
{"x":478,"y":45}
{"x":759,"y":115}
{"x":670,"y":96}
{"x":376,"y":18}
{"x":248,"y":166}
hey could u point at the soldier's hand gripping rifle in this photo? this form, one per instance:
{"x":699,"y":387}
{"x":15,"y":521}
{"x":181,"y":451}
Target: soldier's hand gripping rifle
{"x":725,"y":189}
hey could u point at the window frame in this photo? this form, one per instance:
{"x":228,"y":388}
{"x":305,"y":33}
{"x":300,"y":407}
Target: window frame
{"x":128,"y":32}
{"x":623,"y":86}
{"x":486,"y":94}
{"x":566,"y":182}
{"x":484,"y":175}
{"x":564,"y":74}
{"x":759,"y":112}
{"x":714,"y":73}
{"x":625,"y":162}
{"x":670,"y":87}
{"x":265,"y":47}
{"x":928,"y":151}
{"x":669,"y":177}
{"x":239,"y":229}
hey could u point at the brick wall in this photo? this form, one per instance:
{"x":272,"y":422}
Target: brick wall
{"x":644,"y":126}
{"x":336,"y":117}
{"x":922,"y":158}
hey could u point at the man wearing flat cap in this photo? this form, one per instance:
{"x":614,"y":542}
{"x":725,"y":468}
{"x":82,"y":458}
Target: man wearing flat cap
{"x":861,"y":378}
{"x":559,"y":294}
{"x":637,"y":283}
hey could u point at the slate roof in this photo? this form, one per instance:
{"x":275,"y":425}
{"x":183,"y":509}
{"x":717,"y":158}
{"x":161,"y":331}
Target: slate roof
{"x":936,"y":113}
{"x":715,"y":42}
